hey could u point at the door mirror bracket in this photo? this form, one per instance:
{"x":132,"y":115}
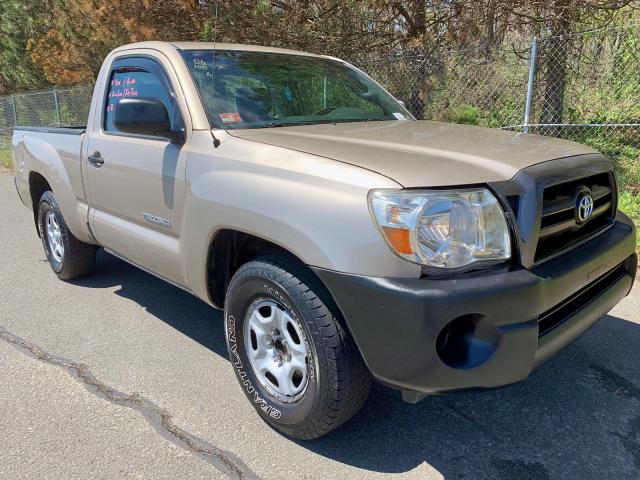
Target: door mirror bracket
{"x":177,"y":137}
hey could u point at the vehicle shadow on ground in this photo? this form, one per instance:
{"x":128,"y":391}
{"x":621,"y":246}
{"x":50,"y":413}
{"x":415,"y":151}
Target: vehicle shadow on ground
{"x":578,"y":416}
{"x":175,"y":307}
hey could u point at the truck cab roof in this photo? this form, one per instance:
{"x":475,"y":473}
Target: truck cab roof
{"x":216,"y":46}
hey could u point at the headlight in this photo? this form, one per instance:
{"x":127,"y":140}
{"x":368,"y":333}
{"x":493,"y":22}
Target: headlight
{"x":442,"y":228}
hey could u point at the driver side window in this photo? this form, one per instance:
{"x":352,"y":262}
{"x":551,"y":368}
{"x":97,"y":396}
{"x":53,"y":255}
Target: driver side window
{"x":136,"y":81}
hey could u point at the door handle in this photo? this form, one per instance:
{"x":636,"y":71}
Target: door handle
{"x":96,"y":159}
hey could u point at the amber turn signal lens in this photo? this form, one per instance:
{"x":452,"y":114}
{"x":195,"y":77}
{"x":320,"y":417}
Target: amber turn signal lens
{"x":399,"y":239}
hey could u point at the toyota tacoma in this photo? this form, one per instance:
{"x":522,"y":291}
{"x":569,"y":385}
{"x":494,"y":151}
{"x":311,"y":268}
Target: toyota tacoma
{"x":345,"y":240}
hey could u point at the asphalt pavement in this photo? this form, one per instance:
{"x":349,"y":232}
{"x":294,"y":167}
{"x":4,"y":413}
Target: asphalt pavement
{"x":121,"y":375}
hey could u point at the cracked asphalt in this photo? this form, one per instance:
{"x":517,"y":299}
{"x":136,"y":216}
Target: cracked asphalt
{"x":121,"y":375}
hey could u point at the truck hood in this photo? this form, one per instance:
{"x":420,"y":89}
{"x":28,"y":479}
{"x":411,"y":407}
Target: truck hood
{"x":421,"y":153}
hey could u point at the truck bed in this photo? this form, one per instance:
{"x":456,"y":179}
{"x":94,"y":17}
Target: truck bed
{"x":62,"y":130}
{"x":52,"y":155}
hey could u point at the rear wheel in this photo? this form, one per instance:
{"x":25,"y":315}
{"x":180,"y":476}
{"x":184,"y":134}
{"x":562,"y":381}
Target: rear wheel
{"x":296,"y":363}
{"x":69,"y":257}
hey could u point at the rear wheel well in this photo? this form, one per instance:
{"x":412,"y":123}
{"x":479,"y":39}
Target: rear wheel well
{"x":37,"y":186}
{"x":229,"y":250}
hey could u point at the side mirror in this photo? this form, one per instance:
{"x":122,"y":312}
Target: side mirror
{"x":401,"y":102}
{"x":145,"y":116}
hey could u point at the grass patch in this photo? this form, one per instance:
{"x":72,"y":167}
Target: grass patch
{"x":625,"y":153}
{"x":629,"y":203}
{"x":5,"y":158}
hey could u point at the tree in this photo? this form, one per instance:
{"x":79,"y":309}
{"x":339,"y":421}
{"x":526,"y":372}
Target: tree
{"x":20,"y":21}
{"x":82,"y":32}
{"x":64,"y":41}
{"x":559,"y":19}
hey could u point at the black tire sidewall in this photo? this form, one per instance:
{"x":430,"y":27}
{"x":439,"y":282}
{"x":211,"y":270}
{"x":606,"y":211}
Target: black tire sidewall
{"x":46,"y":205}
{"x":251,"y":288}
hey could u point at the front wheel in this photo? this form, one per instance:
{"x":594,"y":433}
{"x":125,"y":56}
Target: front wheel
{"x":296,"y":363}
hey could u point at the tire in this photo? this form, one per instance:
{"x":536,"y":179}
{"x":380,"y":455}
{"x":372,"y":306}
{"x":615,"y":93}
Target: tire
{"x":336,"y":380}
{"x":75,"y":259}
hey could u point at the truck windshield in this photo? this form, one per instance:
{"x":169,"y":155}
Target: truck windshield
{"x":258,"y":90}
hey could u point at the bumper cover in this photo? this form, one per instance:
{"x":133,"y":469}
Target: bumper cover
{"x":396,"y":323}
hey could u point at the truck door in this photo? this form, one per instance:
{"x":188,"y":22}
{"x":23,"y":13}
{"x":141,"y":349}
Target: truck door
{"x":136,"y":182}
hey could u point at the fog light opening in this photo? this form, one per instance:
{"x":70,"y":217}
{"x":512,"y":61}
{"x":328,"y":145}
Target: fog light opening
{"x":467,"y":341}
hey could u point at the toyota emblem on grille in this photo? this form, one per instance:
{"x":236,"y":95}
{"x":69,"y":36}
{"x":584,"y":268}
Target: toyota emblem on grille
{"x":584,"y":207}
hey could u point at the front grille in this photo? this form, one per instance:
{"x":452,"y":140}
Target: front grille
{"x":564,"y":310}
{"x":558,"y":227}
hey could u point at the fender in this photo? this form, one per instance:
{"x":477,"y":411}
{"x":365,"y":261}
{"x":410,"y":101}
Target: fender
{"x":313,"y":207}
{"x":62,"y":172}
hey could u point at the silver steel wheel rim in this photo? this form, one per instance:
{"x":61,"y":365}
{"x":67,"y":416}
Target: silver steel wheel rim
{"x":56,"y":247}
{"x":277,"y":350}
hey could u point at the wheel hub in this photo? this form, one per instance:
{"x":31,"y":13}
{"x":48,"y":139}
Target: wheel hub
{"x":277,"y":351}
{"x":280,"y":347}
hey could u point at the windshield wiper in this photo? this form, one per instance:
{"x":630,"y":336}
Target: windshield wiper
{"x":293,"y":124}
{"x":280,"y":123}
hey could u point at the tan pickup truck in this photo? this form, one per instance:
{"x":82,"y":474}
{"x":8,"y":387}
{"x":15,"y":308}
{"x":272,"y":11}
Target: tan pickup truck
{"x":345,"y":240}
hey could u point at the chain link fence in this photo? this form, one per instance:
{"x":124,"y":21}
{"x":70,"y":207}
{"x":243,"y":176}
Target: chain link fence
{"x":588,"y":90}
{"x":58,"y":107}
{"x":583,"y":87}
{"x":474,"y":86}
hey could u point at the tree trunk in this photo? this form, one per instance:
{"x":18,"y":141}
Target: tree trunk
{"x":555,"y":51}
{"x":417,"y":102}
{"x":555,"y":71}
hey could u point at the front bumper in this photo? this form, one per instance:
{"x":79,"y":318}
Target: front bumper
{"x":403,"y":327}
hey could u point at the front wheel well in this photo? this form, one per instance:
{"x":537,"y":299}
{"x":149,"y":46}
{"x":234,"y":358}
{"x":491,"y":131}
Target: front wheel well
{"x":229,"y":250}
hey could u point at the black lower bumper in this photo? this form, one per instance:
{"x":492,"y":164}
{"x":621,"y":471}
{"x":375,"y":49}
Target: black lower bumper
{"x":483,"y":329}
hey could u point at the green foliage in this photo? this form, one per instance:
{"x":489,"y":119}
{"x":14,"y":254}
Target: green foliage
{"x":466,"y":114}
{"x":626,"y":160}
{"x":207,"y":34}
{"x":629,"y":203}
{"x":5,"y":158}
{"x":20,"y":21}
